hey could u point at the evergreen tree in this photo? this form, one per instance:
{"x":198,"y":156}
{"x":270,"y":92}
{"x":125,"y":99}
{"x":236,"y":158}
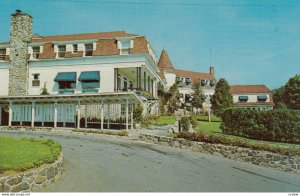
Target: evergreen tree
{"x":222,"y":99}
{"x":172,"y":100}
{"x":292,"y":93}
{"x":197,"y":95}
{"x":278,"y":98}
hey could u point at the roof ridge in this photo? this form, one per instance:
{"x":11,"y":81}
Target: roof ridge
{"x":88,"y":33}
{"x":193,"y":71}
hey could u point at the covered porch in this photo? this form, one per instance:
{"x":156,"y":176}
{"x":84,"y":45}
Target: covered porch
{"x":103,"y":111}
{"x":136,"y":79}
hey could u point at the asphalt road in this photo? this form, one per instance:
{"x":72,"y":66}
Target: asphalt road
{"x":111,"y":164}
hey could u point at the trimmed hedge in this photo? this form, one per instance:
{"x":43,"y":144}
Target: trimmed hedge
{"x":185,"y":124}
{"x":273,"y":125}
{"x":117,"y":133}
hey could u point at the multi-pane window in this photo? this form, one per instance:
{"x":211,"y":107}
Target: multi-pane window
{"x":66,"y":85}
{"x":125,"y":47}
{"x":35,"y":52}
{"x":36,"y":80}
{"x":88,"y":49}
{"x":61,"y":51}
{"x":2,"y":54}
{"x":75,"y":48}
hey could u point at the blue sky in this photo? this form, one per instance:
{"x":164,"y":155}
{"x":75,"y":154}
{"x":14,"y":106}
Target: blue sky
{"x":253,"y":42}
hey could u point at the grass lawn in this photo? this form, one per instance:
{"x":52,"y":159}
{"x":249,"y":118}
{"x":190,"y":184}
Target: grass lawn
{"x":205,"y":126}
{"x":22,"y":154}
{"x":165,"y":120}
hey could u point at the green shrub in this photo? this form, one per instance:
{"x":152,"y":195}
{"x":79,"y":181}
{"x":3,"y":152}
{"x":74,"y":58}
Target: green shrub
{"x":185,"y":124}
{"x":274,"y":125}
{"x":221,"y":139}
{"x":137,"y":113}
{"x":193,"y":120}
{"x":149,"y":120}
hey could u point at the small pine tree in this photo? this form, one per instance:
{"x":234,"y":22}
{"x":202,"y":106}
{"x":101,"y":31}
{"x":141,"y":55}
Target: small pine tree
{"x":44,"y":90}
{"x":137,"y":113}
{"x":222,"y":98}
{"x":197,"y":95}
{"x":292,"y":93}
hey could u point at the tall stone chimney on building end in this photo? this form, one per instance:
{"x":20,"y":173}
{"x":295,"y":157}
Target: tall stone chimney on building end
{"x":20,"y":37}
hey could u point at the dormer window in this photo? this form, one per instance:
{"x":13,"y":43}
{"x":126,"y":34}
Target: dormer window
{"x":203,"y":82}
{"x":178,"y":80}
{"x":75,"y":48}
{"x":124,"y":45}
{"x":88,"y":49}
{"x":61,"y":51}
{"x":262,"y":98}
{"x":188,"y":81}
{"x":35,"y":52}
{"x":2,"y":54}
{"x":243,"y":98}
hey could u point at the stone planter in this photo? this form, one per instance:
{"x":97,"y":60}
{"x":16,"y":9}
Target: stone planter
{"x":33,"y":179}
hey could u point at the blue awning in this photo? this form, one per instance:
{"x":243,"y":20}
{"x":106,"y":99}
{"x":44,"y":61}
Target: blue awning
{"x":262,"y":97}
{"x":187,"y":96}
{"x":89,"y":76}
{"x":188,"y":80}
{"x":65,"y":77}
{"x":179,"y":95}
{"x":243,"y":98}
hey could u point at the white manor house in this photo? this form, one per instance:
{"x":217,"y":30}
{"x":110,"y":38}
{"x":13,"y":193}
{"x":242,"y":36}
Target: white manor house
{"x":91,"y":80}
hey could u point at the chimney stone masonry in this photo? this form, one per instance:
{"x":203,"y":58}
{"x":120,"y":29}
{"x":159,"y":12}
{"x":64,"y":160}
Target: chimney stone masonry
{"x":20,"y":37}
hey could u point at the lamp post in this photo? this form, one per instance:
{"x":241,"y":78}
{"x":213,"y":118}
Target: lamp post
{"x":209,"y":105}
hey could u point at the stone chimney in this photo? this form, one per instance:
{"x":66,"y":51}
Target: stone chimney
{"x":212,"y":70}
{"x":20,"y":37}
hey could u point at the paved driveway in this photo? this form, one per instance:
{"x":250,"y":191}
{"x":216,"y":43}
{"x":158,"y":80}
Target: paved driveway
{"x":108,"y":163}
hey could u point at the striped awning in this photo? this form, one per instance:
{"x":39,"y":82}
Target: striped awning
{"x":89,"y":76}
{"x":65,"y":77}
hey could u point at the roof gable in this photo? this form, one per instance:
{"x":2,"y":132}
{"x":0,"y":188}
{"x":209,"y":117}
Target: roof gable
{"x":244,"y":89}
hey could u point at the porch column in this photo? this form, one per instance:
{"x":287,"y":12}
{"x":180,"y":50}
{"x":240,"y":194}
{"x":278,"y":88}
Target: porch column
{"x":78,"y":115}
{"x":32,"y":113}
{"x":55,"y":114}
{"x":0,"y":115}
{"x":64,"y":116}
{"x":85,"y":116}
{"x":127,"y":114}
{"x":9,"y":113}
{"x":43,"y":114}
{"x":131,"y":117}
{"x":108,"y":115}
{"x":102,"y":114}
